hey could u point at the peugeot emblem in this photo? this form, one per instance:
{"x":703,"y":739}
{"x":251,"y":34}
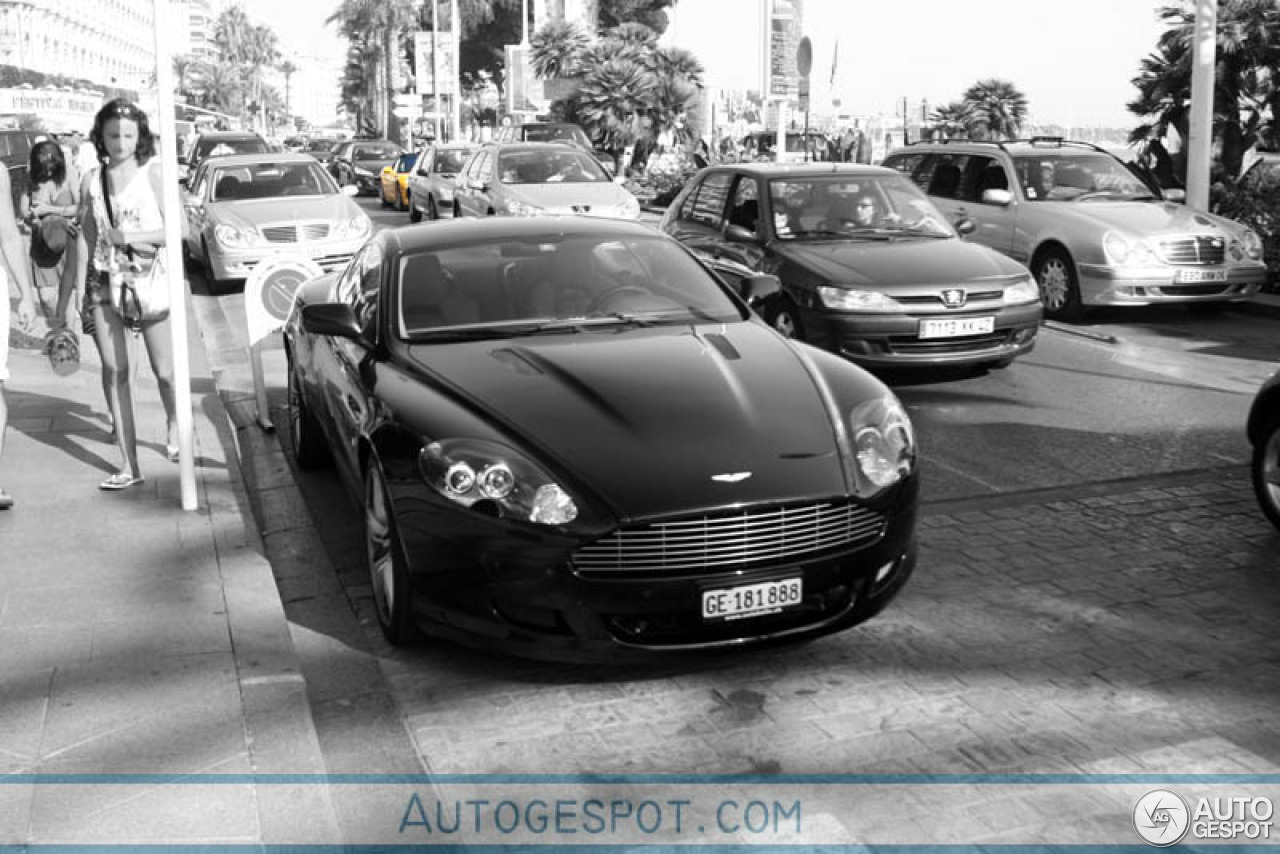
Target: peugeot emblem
{"x":731,"y":477}
{"x":954,"y":297}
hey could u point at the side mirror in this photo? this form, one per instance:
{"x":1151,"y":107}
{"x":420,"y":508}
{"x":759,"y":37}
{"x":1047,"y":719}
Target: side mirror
{"x":755,"y":288}
{"x":965,"y":225}
{"x":738,"y":234}
{"x":475,"y":184}
{"x":1173,"y":194}
{"x":997,"y":197}
{"x":350,"y":190}
{"x":331,"y":318}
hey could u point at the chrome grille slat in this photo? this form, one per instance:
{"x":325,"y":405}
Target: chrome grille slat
{"x":750,"y":537}
{"x":1193,"y":249}
{"x":295,"y":232}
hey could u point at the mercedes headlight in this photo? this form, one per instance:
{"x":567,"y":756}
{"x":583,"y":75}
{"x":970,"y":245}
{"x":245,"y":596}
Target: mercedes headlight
{"x":1123,"y":251}
{"x":515,"y":207}
{"x":1022,"y":292}
{"x":494,"y":479}
{"x":884,"y":444}
{"x":357,"y":226}
{"x":234,"y":238}
{"x":1249,"y":244}
{"x":850,"y":299}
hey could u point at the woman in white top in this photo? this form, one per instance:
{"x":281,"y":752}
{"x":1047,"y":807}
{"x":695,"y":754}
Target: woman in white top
{"x":131,"y":232}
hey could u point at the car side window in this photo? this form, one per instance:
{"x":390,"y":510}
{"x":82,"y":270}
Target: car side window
{"x":948,"y":170}
{"x":483,"y":168}
{"x":424,"y":161}
{"x":705,"y":204}
{"x":982,"y":174}
{"x":911,"y":165}
{"x":365,"y":306}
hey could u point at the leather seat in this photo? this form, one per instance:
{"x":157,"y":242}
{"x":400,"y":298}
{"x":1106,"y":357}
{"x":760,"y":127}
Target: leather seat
{"x":429,"y":298}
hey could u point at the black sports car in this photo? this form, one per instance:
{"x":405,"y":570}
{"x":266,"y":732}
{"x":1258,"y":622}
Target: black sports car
{"x":1263,"y":429}
{"x":573,"y":440}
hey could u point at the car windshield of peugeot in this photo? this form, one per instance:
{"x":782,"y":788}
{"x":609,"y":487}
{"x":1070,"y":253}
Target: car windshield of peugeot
{"x":1067,"y":176}
{"x":448,"y":161}
{"x":571,"y":284}
{"x":844,"y":207}
{"x":540,"y":166}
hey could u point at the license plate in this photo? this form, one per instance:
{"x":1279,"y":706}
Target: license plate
{"x":955,"y":327}
{"x":1186,"y":276}
{"x":751,"y":600}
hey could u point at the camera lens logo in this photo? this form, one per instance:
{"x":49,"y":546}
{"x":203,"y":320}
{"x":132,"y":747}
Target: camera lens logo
{"x":1161,"y":817}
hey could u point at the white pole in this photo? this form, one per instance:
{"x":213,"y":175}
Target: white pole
{"x":173,"y":249}
{"x":455,"y":101}
{"x":1200,"y":144}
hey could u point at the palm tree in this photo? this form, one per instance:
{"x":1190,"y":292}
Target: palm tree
{"x":952,"y":120}
{"x":609,"y":99}
{"x":557,"y":50}
{"x":378,"y":28}
{"x":288,"y":69}
{"x":996,"y":109}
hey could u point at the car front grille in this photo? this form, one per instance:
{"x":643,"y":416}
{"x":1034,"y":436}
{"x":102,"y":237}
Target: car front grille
{"x":933,"y":303}
{"x":754,"y":537}
{"x":1196,"y":249}
{"x":296,"y":232}
{"x":909,"y":344}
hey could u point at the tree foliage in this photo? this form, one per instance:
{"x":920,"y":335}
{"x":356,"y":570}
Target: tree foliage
{"x":649,"y":13}
{"x":994,"y":109}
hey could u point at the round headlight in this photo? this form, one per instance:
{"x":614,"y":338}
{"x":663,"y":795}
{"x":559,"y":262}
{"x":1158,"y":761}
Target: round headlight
{"x":459,"y":479}
{"x":497,"y":481}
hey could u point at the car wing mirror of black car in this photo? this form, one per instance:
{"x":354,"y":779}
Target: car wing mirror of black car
{"x":739,"y":234}
{"x":759,"y":287}
{"x":331,"y":318}
{"x":965,"y":225}
{"x":997,"y":197}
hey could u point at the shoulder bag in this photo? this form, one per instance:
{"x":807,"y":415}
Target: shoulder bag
{"x":141,"y":292}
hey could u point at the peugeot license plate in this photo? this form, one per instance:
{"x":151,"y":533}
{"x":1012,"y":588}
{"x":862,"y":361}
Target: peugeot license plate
{"x":955,"y":327}
{"x":752,"y":600}
{"x":1186,"y":276}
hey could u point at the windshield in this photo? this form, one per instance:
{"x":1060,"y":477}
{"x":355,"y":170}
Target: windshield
{"x":321,"y":145}
{"x":450,"y":160}
{"x":220,"y":147}
{"x":872,"y":207}
{"x":549,"y":166}
{"x":386,"y":151}
{"x":552,"y":133}
{"x":553,"y":283}
{"x":270,"y":180}
{"x":1058,"y":176}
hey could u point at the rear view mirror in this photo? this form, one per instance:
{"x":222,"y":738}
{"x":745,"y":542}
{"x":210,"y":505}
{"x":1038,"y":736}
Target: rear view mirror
{"x":738,"y":234}
{"x":350,"y":190}
{"x":965,"y":225}
{"x":997,"y":197}
{"x":1174,"y":194}
{"x":759,"y":287}
{"x":331,"y":318}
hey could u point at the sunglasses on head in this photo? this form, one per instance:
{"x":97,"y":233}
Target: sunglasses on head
{"x":123,"y":111}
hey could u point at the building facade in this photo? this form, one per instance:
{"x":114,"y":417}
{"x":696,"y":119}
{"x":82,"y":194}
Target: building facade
{"x":107,"y":42}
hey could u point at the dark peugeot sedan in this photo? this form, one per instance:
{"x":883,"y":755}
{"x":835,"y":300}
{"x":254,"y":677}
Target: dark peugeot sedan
{"x":870,"y":269}
{"x":570,"y":439}
{"x":1264,"y":435}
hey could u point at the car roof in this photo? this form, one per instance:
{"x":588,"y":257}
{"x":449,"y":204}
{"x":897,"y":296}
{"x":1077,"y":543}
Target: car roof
{"x":1035,"y":144}
{"x":552,"y":145}
{"x":264,"y":157}
{"x":806,"y":170}
{"x":411,"y":238}
{"x":230,"y":134}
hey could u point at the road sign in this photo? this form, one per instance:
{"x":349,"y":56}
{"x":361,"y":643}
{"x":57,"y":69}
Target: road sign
{"x":804,"y":57}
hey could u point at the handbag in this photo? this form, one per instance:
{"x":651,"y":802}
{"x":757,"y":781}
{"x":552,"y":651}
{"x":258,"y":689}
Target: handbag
{"x":139,"y":290}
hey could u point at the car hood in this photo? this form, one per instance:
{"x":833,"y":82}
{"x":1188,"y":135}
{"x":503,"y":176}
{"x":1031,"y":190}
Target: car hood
{"x":1145,"y":218}
{"x":570,"y":197}
{"x":255,"y":212}
{"x":647,"y":418}
{"x":924,"y":261}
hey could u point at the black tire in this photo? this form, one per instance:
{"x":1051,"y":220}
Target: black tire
{"x":1266,"y":471}
{"x":415,"y":215}
{"x":310,"y":450}
{"x":784,"y":317}
{"x":384,"y":554}
{"x":382,"y":197}
{"x":211,"y":282}
{"x":1055,"y":272}
{"x":433,"y":212}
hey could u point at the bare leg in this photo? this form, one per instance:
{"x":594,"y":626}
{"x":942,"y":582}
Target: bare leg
{"x":158,"y":336}
{"x":114,"y":347}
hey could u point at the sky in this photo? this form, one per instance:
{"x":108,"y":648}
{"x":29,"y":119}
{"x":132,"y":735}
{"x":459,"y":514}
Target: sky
{"x":1073,"y":59}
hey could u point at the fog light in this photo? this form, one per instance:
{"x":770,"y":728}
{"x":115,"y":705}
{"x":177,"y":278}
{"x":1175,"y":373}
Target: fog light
{"x":884,"y":571}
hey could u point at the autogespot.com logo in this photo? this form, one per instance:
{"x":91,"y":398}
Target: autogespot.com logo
{"x":1161,"y":817}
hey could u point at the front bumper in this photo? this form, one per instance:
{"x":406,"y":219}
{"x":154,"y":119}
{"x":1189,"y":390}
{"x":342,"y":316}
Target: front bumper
{"x":893,"y":340}
{"x":1105,"y":285}
{"x":477,"y":581}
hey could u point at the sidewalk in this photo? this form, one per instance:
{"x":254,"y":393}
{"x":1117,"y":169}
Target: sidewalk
{"x":136,"y":637}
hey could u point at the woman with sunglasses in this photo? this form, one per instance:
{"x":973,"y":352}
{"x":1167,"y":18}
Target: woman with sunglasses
{"x":125,"y":227}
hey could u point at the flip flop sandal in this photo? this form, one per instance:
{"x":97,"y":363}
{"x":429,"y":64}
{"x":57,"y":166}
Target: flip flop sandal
{"x":120,"y":480}
{"x":6,"y":500}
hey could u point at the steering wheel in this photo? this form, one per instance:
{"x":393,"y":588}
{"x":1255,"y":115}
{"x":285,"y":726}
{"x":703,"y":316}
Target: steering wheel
{"x":598,"y":304}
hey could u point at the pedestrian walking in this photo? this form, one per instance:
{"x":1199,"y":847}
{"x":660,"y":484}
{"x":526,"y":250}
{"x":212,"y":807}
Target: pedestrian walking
{"x":122,"y":229}
{"x":49,"y":209}
{"x":14,"y":268}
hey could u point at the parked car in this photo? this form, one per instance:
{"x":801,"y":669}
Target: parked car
{"x":431,"y":184}
{"x":555,"y":132}
{"x":393,"y":185}
{"x":15,"y":154}
{"x":570,"y":440}
{"x":220,"y":142}
{"x":1092,"y":232}
{"x":360,"y":162}
{"x":536,"y":179}
{"x":241,"y":209}
{"x":1263,"y":429}
{"x":901,"y":290}
{"x":323,"y":148}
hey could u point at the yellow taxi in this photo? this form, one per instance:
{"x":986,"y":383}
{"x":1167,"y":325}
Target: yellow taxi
{"x":393,"y":183}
